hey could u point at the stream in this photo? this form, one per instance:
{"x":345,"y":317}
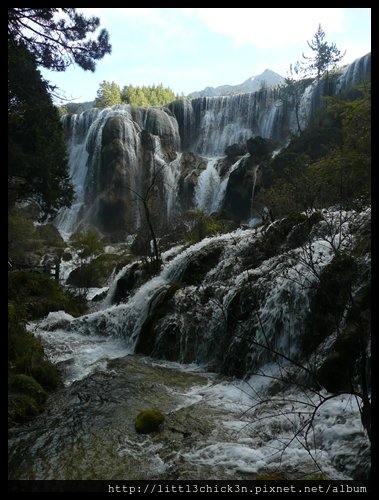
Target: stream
{"x":87,"y":430}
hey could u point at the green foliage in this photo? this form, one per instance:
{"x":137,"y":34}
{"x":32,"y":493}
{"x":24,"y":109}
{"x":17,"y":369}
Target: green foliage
{"x":326,"y":56}
{"x":328,"y":163}
{"x":148,"y":421}
{"x":49,"y":236}
{"x":109,"y":94}
{"x":260,"y":148}
{"x":38,"y":294}
{"x":30,"y":373}
{"x":292,"y":90}
{"x":37,"y":160}
{"x":87,"y":243}
{"x":147,"y":95}
{"x":201,"y":225}
{"x":58,"y":37}
{"x":22,"y":236}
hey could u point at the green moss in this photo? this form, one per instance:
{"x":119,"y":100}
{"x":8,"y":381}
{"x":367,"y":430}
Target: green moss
{"x":27,"y":385}
{"x":21,"y":406}
{"x":46,"y":374}
{"x":317,"y":477}
{"x":26,"y":397}
{"x":26,"y":355}
{"x":148,"y":421}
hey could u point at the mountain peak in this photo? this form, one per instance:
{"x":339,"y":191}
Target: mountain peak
{"x":268,"y":78}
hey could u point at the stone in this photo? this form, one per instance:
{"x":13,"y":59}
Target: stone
{"x":148,"y":421}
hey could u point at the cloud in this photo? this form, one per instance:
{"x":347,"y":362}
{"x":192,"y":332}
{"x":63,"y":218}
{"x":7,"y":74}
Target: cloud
{"x":272,"y":28}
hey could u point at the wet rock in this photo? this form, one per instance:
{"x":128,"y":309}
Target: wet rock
{"x":235,"y":150}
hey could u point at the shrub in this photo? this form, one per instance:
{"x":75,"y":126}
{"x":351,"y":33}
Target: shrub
{"x":37,"y":295}
{"x":202,"y":225}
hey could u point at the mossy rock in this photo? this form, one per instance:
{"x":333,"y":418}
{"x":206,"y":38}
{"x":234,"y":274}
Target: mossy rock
{"x":26,"y":356}
{"x":276,"y":234}
{"x":21,"y":406}
{"x":95,"y":273}
{"x":148,"y":421}
{"x":317,"y":477}
{"x":27,"y":385}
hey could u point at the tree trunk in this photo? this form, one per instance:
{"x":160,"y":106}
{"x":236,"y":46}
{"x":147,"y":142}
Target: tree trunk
{"x":157,"y":259}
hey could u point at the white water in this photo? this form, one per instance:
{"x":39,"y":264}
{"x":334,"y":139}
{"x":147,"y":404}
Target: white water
{"x":77,"y":355}
{"x":210,"y":190}
{"x":253,"y":424}
{"x":261,"y":438}
{"x":68,"y":218}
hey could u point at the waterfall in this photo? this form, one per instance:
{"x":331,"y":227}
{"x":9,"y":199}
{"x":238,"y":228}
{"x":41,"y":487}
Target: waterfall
{"x":214,"y":301}
{"x":209,"y":124}
{"x":109,"y":160}
{"x":207,"y":192}
{"x":253,"y":190}
{"x":113,"y":152}
{"x":77,"y":127}
{"x":355,"y":72}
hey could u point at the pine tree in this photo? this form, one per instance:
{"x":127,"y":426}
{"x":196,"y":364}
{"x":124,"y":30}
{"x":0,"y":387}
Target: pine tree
{"x":109,"y":94}
{"x":57,"y":42}
{"x":326,"y":56}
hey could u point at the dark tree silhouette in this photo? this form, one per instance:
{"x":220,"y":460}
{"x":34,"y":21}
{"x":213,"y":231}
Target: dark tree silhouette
{"x":58,"y":37}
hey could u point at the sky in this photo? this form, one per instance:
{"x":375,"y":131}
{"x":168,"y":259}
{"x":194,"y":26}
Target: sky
{"x":188,"y":49}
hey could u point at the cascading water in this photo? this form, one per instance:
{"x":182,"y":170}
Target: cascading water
{"x":109,"y":159}
{"x":110,"y":163}
{"x":209,"y":124}
{"x":77,"y":127}
{"x":226,"y":308}
{"x":236,"y":304}
{"x":210,"y":189}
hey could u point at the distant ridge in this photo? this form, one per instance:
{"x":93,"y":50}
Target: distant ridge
{"x":267,"y":79}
